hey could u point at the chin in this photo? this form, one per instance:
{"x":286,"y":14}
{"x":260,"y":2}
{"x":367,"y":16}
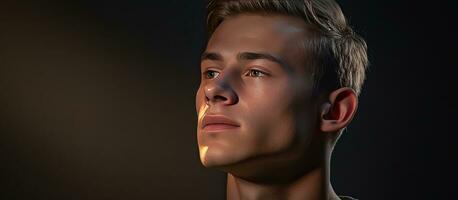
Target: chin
{"x":214,"y":157}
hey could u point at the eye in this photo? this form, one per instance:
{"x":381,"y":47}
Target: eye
{"x":256,"y":73}
{"x":210,"y":74}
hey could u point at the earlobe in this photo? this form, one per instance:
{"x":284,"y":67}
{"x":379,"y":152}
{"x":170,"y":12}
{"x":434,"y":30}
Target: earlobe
{"x":338,"y":112}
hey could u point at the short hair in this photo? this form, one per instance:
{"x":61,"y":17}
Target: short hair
{"x":338,"y":54}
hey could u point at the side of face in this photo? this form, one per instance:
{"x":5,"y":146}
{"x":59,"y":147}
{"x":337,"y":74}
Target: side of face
{"x":254,"y":74}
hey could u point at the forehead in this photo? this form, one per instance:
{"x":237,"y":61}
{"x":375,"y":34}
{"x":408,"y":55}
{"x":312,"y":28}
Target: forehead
{"x":280,"y":35}
{"x":262,"y":32}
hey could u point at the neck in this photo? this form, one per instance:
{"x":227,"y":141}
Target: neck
{"x":313,"y":185}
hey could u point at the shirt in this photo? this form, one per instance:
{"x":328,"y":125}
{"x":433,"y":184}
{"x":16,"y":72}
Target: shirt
{"x":347,"y":198}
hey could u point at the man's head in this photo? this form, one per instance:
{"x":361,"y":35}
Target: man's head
{"x":279,"y":82}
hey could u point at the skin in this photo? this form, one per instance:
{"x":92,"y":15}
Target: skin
{"x":254,"y":71}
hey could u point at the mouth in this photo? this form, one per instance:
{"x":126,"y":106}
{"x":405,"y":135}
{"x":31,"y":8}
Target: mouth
{"x":214,"y":123}
{"x":219,"y":127}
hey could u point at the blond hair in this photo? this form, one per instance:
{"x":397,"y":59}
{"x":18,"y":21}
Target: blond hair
{"x":339,"y":55}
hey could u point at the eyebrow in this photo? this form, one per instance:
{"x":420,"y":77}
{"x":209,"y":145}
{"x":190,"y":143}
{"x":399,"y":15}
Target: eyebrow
{"x":211,"y":56}
{"x":244,"y":56}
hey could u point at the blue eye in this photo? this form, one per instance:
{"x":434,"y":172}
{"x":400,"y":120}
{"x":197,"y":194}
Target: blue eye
{"x":210,"y":74}
{"x":256,"y":73}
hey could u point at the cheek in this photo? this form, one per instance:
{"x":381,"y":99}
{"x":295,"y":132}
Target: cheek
{"x":201,"y":109}
{"x":271,"y":120}
{"x":273,"y":130}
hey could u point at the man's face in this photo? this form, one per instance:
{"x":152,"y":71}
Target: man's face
{"x":254,"y":75}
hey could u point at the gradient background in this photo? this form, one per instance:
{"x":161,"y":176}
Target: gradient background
{"x":97,"y":102}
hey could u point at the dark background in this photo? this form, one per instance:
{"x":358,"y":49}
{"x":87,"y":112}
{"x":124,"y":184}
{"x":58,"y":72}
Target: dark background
{"x":97,"y":101}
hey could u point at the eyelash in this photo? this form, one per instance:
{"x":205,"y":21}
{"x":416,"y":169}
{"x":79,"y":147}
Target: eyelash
{"x":206,"y":73}
{"x":256,"y":70}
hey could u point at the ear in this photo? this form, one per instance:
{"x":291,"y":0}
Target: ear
{"x":338,"y":112}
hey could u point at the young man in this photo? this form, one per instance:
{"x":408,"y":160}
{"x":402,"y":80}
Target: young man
{"x":280,"y":81}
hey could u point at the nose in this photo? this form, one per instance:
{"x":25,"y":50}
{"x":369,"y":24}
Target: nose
{"x":220,"y":91}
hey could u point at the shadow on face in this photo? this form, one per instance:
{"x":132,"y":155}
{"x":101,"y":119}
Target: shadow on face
{"x":254,"y":102}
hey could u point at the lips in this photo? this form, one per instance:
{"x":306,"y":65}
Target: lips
{"x":217,"y":122}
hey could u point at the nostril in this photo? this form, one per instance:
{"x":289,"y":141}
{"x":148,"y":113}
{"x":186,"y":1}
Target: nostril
{"x":216,"y":98}
{"x":220,"y":98}
{"x":218,"y":93}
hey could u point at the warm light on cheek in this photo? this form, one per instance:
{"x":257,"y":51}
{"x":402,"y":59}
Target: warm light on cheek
{"x":203,"y":109}
{"x":203,"y":153}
